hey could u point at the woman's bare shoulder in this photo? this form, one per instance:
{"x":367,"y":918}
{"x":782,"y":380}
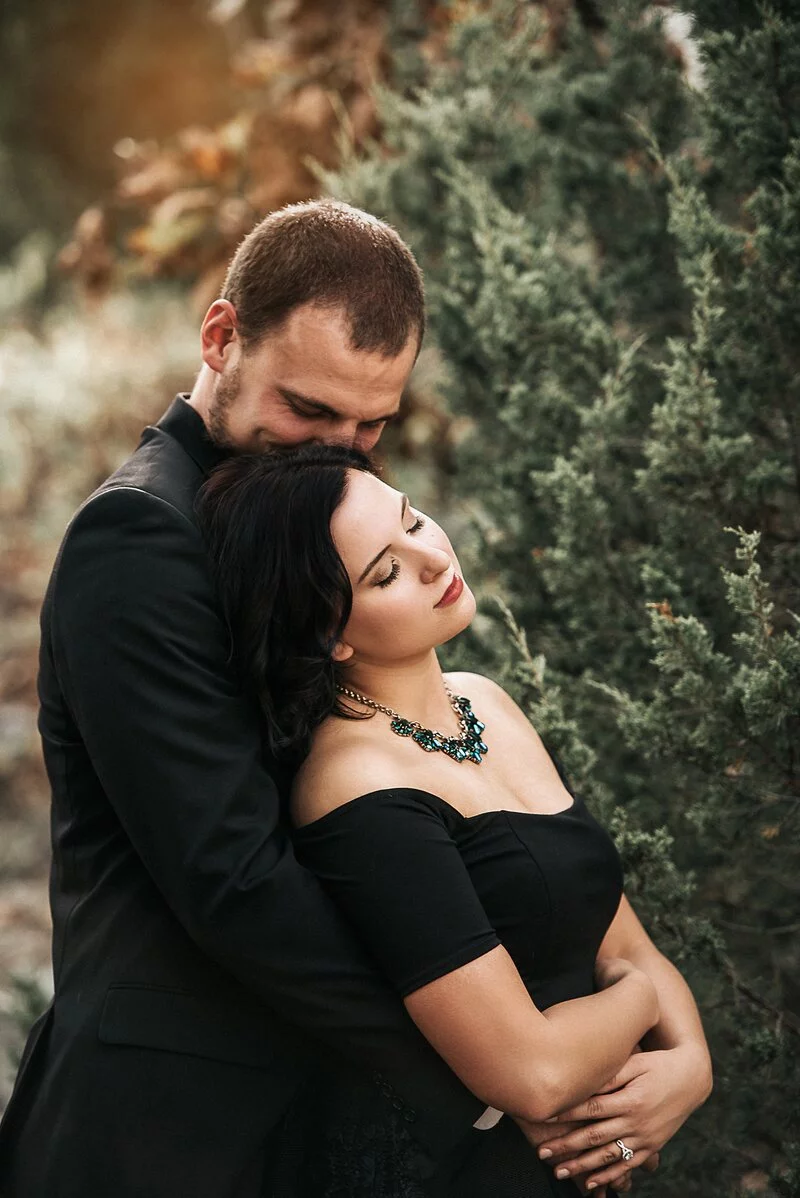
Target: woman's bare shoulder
{"x":342,"y":765}
{"x":479,"y":688}
{"x":464,"y":682}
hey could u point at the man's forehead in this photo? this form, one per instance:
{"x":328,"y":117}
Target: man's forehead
{"x":318,"y":341}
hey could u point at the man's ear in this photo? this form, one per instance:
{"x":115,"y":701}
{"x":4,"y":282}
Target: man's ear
{"x":342,"y":652}
{"x":218,"y":332}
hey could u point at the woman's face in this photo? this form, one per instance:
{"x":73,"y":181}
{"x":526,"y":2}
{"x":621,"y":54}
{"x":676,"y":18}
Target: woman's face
{"x":408,"y":594}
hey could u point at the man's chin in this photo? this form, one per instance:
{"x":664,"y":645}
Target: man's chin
{"x":261,"y":443}
{"x":230,"y":442}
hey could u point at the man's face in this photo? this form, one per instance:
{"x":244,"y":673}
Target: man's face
{"x":305,"y":383}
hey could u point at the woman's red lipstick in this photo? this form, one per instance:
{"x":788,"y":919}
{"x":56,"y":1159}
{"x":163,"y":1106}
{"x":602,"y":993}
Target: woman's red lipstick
{"x":452,"y":592}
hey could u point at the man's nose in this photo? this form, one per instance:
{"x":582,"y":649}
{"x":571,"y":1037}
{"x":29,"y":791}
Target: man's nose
{"x":366,"y":439}
{"x":346,"y":435}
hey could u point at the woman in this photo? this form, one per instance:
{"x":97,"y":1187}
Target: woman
{"x":431,"y":810}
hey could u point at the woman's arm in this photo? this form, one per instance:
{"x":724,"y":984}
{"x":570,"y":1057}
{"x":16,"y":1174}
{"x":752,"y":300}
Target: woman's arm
{"x":655,"y":1092}
{"x":678,"y":1025}
{"x":528,"y":1063}
{"x":388,"y":858}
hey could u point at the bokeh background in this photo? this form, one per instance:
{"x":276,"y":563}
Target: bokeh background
{"x":605,"y":199}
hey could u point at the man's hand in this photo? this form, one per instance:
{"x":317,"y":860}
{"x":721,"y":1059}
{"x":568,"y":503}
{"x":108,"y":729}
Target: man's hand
{"x":643,"y":1105}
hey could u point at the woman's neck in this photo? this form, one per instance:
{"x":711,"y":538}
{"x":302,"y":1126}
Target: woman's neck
{"x":415,"y":690}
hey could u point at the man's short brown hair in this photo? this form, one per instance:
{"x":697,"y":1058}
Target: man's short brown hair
{"x":328,"y":253}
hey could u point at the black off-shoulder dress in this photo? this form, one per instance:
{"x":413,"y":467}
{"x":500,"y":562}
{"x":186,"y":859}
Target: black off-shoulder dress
{"x":429,"y":890}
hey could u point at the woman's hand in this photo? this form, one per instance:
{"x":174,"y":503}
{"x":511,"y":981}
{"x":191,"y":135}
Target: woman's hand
{"x":643,"y":1105}
{"x":539,"y":1134}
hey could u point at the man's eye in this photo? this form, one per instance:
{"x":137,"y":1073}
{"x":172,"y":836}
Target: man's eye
{"x":390,"y":577}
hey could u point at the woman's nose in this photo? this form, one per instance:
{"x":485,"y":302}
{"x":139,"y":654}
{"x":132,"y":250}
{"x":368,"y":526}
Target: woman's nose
{"x":436,"y":563}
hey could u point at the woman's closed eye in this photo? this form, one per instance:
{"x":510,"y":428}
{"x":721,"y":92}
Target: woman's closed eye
{"x":395,"y":570}
{"x":390,"y":577}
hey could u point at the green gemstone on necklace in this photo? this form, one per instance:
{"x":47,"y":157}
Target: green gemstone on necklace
{"x":466,"y":747}
{"x":429,"y":740}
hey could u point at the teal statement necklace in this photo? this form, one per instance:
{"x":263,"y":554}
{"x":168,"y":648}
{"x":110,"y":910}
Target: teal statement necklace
{"x":466,"y":747}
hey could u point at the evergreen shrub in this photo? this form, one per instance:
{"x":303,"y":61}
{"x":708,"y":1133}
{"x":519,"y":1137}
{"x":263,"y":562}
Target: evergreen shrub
{"x":612,"y":267}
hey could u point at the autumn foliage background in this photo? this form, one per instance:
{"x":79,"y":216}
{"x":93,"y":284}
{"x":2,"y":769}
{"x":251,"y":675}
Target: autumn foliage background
{"x":605,"y":200}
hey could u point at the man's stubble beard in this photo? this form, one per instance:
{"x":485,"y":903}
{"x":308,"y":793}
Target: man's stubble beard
{"x":225,"y":396}
{"x":218,"y":429}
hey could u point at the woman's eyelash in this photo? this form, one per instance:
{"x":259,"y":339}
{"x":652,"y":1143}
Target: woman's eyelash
{"x":390,"y":577}
{"x":395,"y":570}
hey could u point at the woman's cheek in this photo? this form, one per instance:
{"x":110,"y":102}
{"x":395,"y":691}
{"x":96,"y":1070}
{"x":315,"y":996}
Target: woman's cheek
{"x":410,"y":606}
{"x":390,"y":618}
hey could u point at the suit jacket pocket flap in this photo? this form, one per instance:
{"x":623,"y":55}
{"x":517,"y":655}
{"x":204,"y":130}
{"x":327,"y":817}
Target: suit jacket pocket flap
{"x":176,"y":1021}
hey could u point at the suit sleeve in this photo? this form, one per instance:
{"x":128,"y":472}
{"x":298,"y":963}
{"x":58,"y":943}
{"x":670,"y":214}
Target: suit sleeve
{"x":144,"y":662}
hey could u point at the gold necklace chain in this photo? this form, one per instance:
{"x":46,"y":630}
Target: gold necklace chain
{"x":413,"y":724}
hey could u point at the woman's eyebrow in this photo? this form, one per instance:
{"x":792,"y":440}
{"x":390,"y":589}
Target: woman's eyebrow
{"x":378,"y":556}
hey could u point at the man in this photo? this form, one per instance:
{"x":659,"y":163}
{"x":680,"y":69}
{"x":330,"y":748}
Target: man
{"x":198,"y":970}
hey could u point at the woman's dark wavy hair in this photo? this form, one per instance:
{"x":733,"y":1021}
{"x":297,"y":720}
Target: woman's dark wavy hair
{"x":284,"y":589}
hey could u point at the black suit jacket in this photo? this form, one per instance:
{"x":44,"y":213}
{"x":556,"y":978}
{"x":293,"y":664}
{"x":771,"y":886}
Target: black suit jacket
{"x":198,"y":968}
